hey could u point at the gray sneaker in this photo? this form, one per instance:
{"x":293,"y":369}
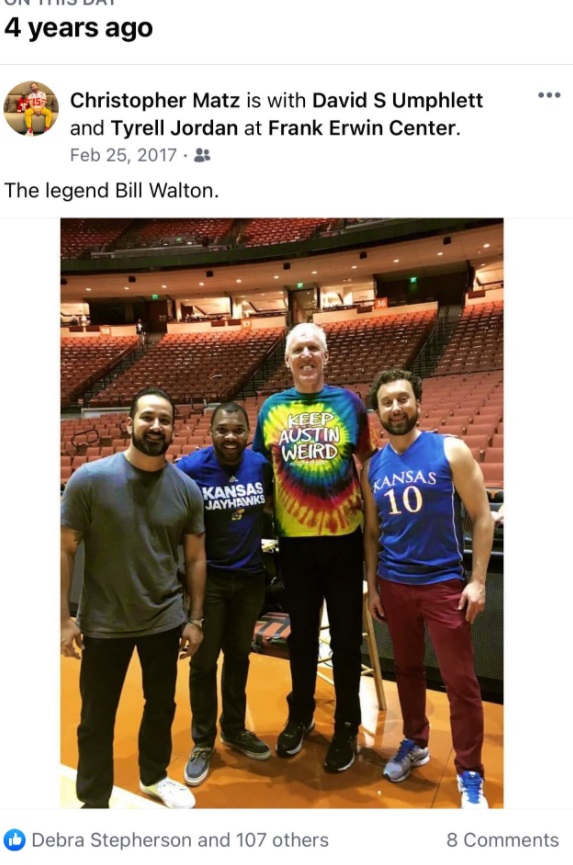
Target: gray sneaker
{"x":197,"y":767}
{"x":248,"y":744}
{"x":404,"y":760}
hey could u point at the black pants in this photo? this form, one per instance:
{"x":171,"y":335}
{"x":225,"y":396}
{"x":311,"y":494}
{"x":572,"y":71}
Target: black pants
{"x":231,"y":607}
{"x":103,"y":670}
{"x":317,"y":570}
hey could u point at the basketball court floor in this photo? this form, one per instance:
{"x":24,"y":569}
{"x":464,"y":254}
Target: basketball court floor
{"x":300,"y":782}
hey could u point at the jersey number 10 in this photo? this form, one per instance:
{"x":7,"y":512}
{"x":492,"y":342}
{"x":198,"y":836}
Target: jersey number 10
{"x":411,"y":500}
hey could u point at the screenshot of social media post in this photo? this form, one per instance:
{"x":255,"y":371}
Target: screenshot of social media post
{"x":283,"y":344}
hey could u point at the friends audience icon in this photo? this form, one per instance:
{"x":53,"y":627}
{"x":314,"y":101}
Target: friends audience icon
{"x":202,"y":155}
{"x":31,"y":108}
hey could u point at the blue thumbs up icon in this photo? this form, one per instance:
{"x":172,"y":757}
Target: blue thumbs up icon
{"x":14,"y":840}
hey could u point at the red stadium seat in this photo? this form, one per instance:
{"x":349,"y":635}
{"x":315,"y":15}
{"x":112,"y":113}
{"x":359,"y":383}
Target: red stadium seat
{"x":492,"y":474}
{"x":493,"y":455}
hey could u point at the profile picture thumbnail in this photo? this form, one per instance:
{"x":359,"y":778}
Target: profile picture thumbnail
{"x":31,"y":108}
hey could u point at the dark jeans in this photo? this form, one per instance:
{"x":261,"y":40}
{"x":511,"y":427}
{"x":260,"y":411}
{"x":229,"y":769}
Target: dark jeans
{"x":102,"y":674}
{"x":231,"y":607}
{"x":317,"y":570}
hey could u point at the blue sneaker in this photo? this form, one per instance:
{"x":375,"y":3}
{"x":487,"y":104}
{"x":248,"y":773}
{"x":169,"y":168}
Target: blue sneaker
{"x":470,"y":785}
{"x":197,"y":767}
{"x":404,"y":760}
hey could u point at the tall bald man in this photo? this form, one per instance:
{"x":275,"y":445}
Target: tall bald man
{"x":311,"y":434}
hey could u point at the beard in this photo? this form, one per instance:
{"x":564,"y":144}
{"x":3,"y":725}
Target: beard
{"x":402,"y":426}
{"x":151,"y":446}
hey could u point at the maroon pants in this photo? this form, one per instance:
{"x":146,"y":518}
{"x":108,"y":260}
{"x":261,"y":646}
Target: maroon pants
{"x":407,"y":609}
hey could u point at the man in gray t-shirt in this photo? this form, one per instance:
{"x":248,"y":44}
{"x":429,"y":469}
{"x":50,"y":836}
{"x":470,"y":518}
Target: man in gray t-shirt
{"x":132,"y":511}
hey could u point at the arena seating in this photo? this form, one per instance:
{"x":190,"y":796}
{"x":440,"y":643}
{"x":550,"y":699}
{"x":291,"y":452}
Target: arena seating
{"x":79,"y":237}
{"x":82,"y":237}
{"x":152,"y":232}
{"x":263,"y":232}
{"x":207,"y":366}
{"x":84,"y":361}
{"x":477,"y":341}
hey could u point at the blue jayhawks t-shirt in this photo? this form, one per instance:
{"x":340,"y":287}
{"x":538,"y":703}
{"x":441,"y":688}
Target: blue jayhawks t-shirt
{"x":419,"y":513}
{"x":233,"y":498}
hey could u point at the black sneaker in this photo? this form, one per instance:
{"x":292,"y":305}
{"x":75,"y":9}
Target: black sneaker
{"x":290,"y":740}
{"x":197,"y":767}
{"x":342,"y":750}
{"x":248,"y":744}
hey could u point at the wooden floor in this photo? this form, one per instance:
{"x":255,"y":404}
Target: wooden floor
{"x":300,"y":782}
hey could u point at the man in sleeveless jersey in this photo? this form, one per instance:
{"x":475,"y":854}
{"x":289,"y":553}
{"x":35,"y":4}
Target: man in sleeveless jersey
{"x":311,"y":434}
{"x":132,"y":510}
{"x":413,"y":489}
{"x":236,"y":484}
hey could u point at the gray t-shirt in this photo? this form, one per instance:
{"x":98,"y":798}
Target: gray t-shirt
{"x":132,"y":522}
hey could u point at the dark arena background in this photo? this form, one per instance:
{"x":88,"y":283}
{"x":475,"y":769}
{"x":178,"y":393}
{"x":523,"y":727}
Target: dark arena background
{"x":216,"y":298}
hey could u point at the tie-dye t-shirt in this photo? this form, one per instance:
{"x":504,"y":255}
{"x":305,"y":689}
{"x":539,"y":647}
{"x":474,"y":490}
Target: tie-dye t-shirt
{"x":311,"y":439}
